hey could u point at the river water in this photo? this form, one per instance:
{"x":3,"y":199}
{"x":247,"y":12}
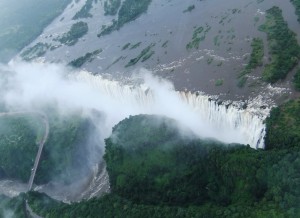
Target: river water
{"x":220,"y":56}
{"x":227,"y":44}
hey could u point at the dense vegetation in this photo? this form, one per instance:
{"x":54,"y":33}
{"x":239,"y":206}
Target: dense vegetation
{"x":165,"y":44}
{"x":189,"y":9}
{"x":257,"y":54}
{"x":12,"y":207}
{"x":199,"y":35}
{"x":84,"y":12}
{"x":77,"y":31}
{"x":16,"y":32}
{"x":129,"y":11}
{"x":35,"y":51}
{"x":126,"y":46}
{"x":140,"y":169}
{"x":114,"y":62}
{"x":135,"y":45}
{"x":114,"y":206}
{"x":66,"y":149}
{"x":87,"y":57}
{"x":283,"y":126}
{"x":297,"y":79}
{"x":155,"y":171}
{"x":111,"y":7}
{"x":18,"y":147}
{"x":256,"y":60}
{"x":145,"y":54}
{"x":283,"y":46}
{"x":296,"y":3}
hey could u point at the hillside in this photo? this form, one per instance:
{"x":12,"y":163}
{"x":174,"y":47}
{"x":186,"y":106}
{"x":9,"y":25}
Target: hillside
{"x":65,"y":154}
{"x":180,"y":175}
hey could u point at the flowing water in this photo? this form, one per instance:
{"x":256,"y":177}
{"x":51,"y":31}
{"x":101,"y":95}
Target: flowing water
{"x":206,"y":116}
{"x":229,"y":121}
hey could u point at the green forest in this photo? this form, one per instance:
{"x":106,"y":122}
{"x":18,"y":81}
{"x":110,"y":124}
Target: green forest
{"x":256,"y":60}
{"x":129,"y":11}
{"x":35,"y":51}
{"x":18,"y":147}
{"x":65,"y":151}
{"x":297,"y":79}
{"x":256,"y":57}
{"x":157,"y":171}
{"x":283,"y":46}
{"x":296,"y":3}
{"x":84,"y":12}
{"x":157,"y":168}
{"x":111,"y":7}
{"x":88,"y":57}
{"x":77,"y":31}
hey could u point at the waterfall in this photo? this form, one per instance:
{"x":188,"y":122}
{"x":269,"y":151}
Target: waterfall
{"x":230,"y":122}
{"x":33,"y":85}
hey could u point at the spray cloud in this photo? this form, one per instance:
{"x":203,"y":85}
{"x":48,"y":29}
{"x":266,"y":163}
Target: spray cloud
{"x":31,"y":85}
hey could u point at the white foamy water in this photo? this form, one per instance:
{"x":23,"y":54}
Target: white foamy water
{"x":227,"y":122}
{"x":33,"y":85}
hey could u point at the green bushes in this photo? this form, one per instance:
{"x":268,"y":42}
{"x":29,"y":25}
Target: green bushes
{"x":219,"y":82}
{"x":150,"y":163}
{"x":283,"y":46}
{"x":165,"y":44}
{"x":255,"y":61}
{"x":145,"y":54}
{"x":135,"y":45}
{"x":17,"y":146}
{"x":12,"y":207}
{"x":157,"y":171}
{"x":297,"y":79}
{"x":114,"y":206}
{"x":84,"y":12}
{"x":189,"y":9}
{"x":111,"y":7}
{"x":35,"y":51}
{"x":199,"y":35}
{"x":257,"y":54}
{"x":66,"y":151}
{"x":77,"y":31}
{"x":296,"y":4}
{"x":129,"y":11}
{"x":87,"y":57}
{"x":126,"y":46}
{"x":63,"y":154}
{"x":283,"y":126}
